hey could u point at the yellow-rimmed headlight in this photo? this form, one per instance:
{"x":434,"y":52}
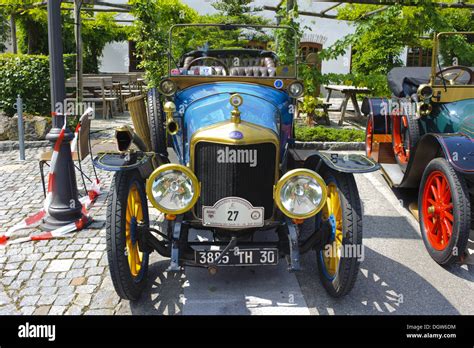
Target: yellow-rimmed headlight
{"x":172,"y":189}
{"x":300,"y":193}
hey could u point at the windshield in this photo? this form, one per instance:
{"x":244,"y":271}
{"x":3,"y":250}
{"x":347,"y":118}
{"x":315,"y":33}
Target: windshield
{"x":232,"y":50}
{"x":455,"y":59}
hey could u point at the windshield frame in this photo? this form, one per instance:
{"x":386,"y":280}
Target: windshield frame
{"x":231,"y":26}
{"x":436,"y":57}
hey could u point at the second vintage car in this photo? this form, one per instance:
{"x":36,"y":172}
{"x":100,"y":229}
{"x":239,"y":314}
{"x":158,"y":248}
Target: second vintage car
{"x":423,"y":138}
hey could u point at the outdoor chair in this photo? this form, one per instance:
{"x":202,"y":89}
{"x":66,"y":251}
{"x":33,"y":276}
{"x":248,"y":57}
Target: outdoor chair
{"x":83,"y":149}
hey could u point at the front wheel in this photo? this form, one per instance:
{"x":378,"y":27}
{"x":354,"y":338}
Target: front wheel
{"x":126,"y":207}
{"x":445,"y":212}
{"x":339,"y":258}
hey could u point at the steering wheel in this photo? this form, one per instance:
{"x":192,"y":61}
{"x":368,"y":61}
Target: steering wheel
{"x":226,"y":69}
{"x":457,"y":74}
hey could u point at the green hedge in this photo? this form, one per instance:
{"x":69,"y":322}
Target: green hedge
{"x":27,"y":75}
{"x":321,"y":133}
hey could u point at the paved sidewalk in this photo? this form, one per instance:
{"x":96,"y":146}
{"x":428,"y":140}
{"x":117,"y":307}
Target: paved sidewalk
{"x":60,"y":276}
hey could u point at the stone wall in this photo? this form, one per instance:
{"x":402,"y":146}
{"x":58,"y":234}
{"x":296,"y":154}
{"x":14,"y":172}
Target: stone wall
{"x":36,"y":127}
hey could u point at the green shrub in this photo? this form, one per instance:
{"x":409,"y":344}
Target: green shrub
{"x":321,"y":133}
{"x":28,"y":76}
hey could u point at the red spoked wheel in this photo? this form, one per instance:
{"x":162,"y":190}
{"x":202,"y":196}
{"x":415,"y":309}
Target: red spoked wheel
{"x":405,"y":135}
{"x":445,"y":211}
{"x":438,"y":210}
{"x":369,"y":136}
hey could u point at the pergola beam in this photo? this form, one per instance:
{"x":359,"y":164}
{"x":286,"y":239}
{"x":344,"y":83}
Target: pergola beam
{"x":331,"y":8}
{"x":385,"y":3}
{"x":302,"y":13}
{"x":122,"y":8}
{"x":459,"y":4}
{"x":371,"y":13}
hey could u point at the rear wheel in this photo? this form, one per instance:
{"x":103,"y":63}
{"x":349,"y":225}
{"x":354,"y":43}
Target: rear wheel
{"x":127,"y":206}
{"x":339,"y":258}
{"x":405,"y":135}
{"x":445,"y":212}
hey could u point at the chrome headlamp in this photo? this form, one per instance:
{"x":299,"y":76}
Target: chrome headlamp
{"x":168,"y":87}
{"x":300,"y":193}
{"x":173,"y":189}
{"x":296,"y":89}
{"x":425,"y":92}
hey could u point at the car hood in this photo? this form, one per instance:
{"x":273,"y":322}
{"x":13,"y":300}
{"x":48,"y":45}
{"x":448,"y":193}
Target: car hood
{"x":207,"y":104}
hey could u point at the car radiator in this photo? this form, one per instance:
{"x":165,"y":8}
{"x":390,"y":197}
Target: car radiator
{"x":245,"y":171}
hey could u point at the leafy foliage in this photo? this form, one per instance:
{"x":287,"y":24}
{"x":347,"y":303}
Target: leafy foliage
{"x":150,"y":31}
{"x":321,"y":133}
{"x":4,"y":29}
{"x":285,"y":39}
{"x":238,"y":11}
{"x":379,"y":39}
{"x":32,"y":31}
{"x":27,"y":75}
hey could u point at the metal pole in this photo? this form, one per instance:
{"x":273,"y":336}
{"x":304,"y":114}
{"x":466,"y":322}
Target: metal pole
{"x":65,"y":207}
{"x":13,"y":33}
{"x":21,"y":131}
{"x":78,"y":28}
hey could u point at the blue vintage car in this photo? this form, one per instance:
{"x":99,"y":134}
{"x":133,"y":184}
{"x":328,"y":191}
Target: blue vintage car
{"x":423,"y":138}
{"x":239,"y":193}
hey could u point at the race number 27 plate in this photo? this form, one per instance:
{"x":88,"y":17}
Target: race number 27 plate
{"x":233,"y":212}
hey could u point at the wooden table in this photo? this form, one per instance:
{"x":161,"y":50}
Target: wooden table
{"x":350,"y":92}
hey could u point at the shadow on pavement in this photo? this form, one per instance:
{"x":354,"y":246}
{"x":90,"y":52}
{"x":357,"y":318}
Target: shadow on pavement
{"x":399,"y":227}
{"x":162,"y":292}
{"x":383,"y":286}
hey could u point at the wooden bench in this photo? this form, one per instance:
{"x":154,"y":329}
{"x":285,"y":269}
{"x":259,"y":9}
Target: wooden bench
{"x":101,"y":90}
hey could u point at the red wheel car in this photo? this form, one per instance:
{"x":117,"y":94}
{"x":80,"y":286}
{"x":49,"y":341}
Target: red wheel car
{"x":423,"y":138}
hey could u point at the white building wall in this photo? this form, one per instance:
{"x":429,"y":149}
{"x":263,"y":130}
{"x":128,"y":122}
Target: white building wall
{"x":114,"y":55}
{"x":115,"y":58}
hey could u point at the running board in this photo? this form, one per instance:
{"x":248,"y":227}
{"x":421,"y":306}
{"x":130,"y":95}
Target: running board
{"x":413,"y":207}
{"x":392,"y":174}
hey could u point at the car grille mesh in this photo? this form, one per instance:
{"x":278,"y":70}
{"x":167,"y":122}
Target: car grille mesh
{"x":220,"y":180}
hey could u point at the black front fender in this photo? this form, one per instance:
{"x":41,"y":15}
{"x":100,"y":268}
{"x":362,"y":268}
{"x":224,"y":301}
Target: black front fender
{"x":458,"y":150}
{"x":125,"y":161}
{"x":341,"y":162}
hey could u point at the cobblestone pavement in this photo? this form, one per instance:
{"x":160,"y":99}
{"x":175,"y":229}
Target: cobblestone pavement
{"x":59,"y":276}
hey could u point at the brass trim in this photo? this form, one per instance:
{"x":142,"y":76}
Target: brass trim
{"x":171,"y":125}
{"x":452,"y":93}
{"x":300,"y":172}
{"x":185,"y":81}
{"x":252,"y":134}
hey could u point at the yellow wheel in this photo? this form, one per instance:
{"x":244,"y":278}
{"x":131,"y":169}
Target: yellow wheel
{"x":332,"y":213}
{"x":127,"y":207}
{"x":134,"y":213}
{"x":341,"y":248}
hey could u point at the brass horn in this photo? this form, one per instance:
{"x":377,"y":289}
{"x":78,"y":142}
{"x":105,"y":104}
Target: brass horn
{"x":125,"y":137}
{"x":171,"y":125}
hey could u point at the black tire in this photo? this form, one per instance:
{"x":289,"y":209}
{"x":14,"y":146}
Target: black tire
{"x":461,"y":213}
{"x":410,"y":134}
{"x":157,"y":123}
{"x":127,"y":285}
{"x":342,"y":281}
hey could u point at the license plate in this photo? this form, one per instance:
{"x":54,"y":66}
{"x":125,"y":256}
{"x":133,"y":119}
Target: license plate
{"x":233,"y":212}
{"x":238,"y":257}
